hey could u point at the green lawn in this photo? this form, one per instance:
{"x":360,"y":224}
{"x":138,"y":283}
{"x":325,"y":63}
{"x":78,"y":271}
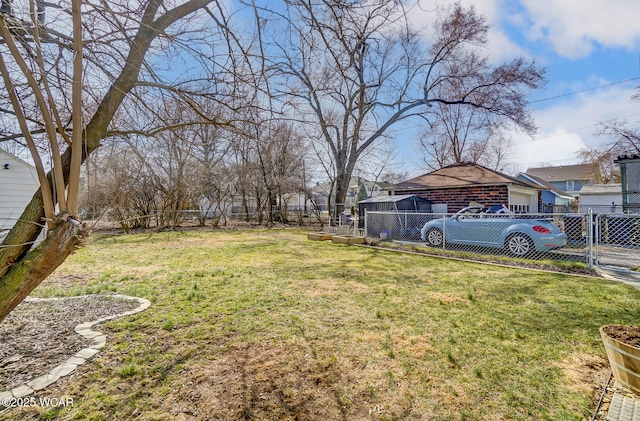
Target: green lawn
{"x":265,"y":324}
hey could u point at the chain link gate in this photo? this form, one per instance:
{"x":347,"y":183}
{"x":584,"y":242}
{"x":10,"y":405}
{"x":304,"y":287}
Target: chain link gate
{"x":617,"y":241}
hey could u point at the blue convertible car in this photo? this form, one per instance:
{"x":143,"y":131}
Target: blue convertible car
{"x":474,"y":225}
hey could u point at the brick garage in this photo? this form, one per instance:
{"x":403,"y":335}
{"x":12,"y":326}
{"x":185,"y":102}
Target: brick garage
{"x":458,"y":198}
{"x":460,"y":184}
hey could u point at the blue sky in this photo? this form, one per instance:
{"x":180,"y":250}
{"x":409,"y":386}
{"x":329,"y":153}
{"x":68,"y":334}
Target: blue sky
{"x":588,"y":48}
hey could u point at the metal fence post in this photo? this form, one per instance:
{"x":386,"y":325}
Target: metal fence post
{"x":365,"y":223}
{"x":590,"y":238}
{"x":444,"y":231}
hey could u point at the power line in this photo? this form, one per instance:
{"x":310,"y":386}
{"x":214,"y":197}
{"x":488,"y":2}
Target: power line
{"x":547,"y":161}
{"x":584,"y":90}
{"x":576,"y":129}
{"x":547,"y":136}
{"x":549,"y":99}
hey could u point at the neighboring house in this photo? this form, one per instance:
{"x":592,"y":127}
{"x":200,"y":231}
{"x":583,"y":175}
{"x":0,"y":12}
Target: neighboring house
{"x":373,"y":189}
{"x":457,"y":186}
{"x":601,"y":198}
{"x":210,"y":208}
{"x":568,"y":178}
{"x":298,"y":202}
{"x":321,"y":192}
{"x":18,"y":183}
{"x":553,"y":199}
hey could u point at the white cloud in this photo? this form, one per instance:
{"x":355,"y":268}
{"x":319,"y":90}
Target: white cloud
{"x":501,"y":48}
{"x":574,"y":27}
{"x":572,"y":125}
{"x":566,"y":127}
{"x":556,"y":148}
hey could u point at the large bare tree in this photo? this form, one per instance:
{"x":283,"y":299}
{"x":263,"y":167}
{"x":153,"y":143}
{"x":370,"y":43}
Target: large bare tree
{"x":67,"y":71}
{"x":359,"y":68}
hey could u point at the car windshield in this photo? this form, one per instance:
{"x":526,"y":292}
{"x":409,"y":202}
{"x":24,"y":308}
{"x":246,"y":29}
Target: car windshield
{"x":472,"y":212}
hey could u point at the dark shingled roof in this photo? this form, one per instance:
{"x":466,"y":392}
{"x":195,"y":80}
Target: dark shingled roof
{"x":464,"y":174}
{"x":563,"y":172}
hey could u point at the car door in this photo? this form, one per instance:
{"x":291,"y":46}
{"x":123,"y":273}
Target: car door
{"x":490,"y":229}
{"x":465,"y":228}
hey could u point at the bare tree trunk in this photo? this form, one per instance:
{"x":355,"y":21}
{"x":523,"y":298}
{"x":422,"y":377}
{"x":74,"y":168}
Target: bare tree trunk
{"x":38,"y":263}
{"x":342,"y":183}
{"x":245,"y":205}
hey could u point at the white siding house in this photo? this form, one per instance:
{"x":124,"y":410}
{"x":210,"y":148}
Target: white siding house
{"x":601,"y":198}
{"x":18,"y":183}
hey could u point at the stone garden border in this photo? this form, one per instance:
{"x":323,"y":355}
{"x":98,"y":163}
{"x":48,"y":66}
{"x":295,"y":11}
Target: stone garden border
{"x":82,"y":356}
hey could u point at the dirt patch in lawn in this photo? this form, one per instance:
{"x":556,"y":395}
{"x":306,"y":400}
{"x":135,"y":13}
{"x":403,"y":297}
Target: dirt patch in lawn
{"x":587,"y":374}
{"x":448,"y":298}
{"x":69,"y":281}
{"x":590,"y":374}
{"x":283,"y":381}
{"x":257,"y":381}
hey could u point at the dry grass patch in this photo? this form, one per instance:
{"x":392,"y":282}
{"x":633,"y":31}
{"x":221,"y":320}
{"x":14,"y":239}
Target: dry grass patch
{"x":318,"y":287}
{"x":357,"y":287}
{"x":583,"y":371}
{"x":448,"y":298}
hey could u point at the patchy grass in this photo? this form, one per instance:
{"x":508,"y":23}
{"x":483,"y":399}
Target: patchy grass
{"x":568,"y":266}
{"x":264,"y":324}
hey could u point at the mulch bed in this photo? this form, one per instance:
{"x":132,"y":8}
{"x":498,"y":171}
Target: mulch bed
{"x":39,"y":335}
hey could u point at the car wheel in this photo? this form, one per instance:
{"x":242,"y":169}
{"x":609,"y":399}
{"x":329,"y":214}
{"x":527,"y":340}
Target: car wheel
{"x":519,"y":245}
{"x":434,"y":237}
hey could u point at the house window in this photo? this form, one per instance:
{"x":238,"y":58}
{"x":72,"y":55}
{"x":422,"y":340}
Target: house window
{"x":519,"y":208}
{"x":570,"y":185}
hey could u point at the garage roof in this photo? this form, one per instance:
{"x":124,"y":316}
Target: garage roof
{"x":464,"y":174}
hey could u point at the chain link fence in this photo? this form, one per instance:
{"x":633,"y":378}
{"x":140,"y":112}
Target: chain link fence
{"x":610,"y":240}
{"x":604,"y":239}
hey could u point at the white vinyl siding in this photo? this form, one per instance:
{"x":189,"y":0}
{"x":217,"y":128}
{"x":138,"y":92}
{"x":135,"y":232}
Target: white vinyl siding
{"x":18,"y":183}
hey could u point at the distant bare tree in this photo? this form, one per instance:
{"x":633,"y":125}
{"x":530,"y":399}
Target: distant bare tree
{"x":119,"y":186}
{"x":458,"y":133}
{"x":379,"y":162}
{"x":269,"y":166}
{"x":625,"y":139}
{"x":603,"y":169}
{"x":214,"y":184}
